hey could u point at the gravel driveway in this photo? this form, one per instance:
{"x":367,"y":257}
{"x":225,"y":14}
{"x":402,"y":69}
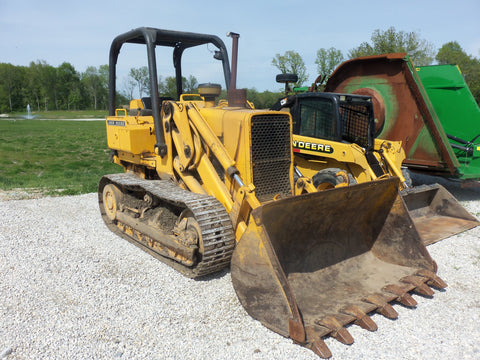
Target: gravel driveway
{"x":71,"y":289}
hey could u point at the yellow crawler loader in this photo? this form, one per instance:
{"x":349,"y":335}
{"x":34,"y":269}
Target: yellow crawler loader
{"x":335,"y":144}
{"x":210,"y":184}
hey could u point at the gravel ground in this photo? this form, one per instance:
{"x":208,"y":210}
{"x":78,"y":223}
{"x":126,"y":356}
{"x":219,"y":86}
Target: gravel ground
{"x":71,"y":289}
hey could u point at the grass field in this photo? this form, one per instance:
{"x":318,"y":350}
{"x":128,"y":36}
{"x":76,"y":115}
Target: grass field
{"x":54,"y":157}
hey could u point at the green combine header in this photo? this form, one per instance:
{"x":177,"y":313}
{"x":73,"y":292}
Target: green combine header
{"x":458,"y":112}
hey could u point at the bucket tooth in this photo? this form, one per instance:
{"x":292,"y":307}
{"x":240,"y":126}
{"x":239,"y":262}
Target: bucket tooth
{"x":420,"y":287}
{"x":320,"y":348}
{"x":362,"y":319}
{"x":383,"y":307}
{"x":403,"y":295}
{"x":296,"y":330}
{"x":433,"y":279}
{"x":337,"y":330}
{"x":316,"y":343}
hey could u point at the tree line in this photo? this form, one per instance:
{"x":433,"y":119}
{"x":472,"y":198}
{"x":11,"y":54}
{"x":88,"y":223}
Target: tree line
{"x":45,"y":87}
{"x":420,"y":51}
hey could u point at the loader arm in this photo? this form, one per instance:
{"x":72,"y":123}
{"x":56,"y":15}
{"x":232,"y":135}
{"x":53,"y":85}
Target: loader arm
{"x":187,"y":123}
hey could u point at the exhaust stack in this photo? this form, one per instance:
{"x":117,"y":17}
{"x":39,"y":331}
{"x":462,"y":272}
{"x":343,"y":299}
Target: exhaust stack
{"x":236,"y":97}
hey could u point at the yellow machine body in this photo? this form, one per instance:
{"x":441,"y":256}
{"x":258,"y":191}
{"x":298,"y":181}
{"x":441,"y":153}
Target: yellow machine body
{"x":348,"y":157}
{"x":132,"y":137}
{"x":210,"y":184}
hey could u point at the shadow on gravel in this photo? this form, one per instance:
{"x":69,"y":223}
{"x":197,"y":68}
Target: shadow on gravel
{"x":463,"y":191}
{"x":218,"y":275}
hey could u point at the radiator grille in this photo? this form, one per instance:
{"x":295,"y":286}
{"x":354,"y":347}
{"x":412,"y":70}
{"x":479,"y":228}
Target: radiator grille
{"x":271,"y":155}
{"x":355,"y":123}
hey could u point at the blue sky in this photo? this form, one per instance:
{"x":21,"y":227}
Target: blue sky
{"x":80,"y":32}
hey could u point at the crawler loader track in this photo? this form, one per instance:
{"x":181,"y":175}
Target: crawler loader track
{"x":217,"y":236}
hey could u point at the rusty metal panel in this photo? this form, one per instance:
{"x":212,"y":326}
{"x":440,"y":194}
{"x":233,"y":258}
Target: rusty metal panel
{"x":402,"y":109}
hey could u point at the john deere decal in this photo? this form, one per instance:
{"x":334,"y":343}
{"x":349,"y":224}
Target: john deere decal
{"x":306,"y":145}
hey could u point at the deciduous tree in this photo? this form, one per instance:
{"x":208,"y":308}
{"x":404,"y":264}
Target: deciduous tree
{"x":11,"y":86}
{"x":141,"y":78}
{"x":327,"y":60}
{"x":168,"y":88}
{"x":390,"y":41}
{"x":291,"y":63}
{"x":93,"y":84}
{"x":68,"y":83}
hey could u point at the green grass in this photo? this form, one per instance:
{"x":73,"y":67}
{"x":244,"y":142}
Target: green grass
{"x":55,"y":157}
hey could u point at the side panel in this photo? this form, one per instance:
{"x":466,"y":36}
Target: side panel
{"x":458,"y":112}
{"x":133,"y":138}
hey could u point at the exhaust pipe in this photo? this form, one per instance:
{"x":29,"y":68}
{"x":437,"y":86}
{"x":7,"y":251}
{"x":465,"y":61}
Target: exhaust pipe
{"x":236,"y":97}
